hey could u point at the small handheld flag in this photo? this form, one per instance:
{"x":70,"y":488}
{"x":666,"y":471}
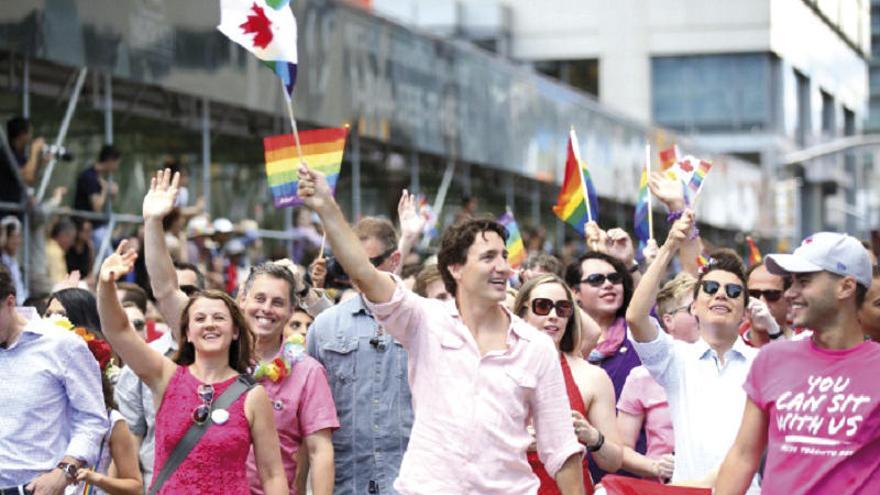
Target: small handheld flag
{"x":516,"y":250}
{"x":577,"y":202}
{"x":755,"y":257}
{"x":698,"y":170}
{"x":322,"y":150}
{"x":643,"y":219}
{"x":668,"y":157}
{"x":266,"y":28}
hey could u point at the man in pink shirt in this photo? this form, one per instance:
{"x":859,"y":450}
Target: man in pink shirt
{"x":479,"y":375}
{"x":813,"y":403}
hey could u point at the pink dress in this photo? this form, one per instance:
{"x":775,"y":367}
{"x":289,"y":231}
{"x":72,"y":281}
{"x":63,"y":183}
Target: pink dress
{"x":217,"y":463}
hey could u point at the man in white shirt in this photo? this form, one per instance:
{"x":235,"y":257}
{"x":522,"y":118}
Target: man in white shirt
{"x":703,"y":380}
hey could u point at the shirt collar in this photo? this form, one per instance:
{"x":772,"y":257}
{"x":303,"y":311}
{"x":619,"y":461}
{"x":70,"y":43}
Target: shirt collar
{"x":703,"y":349}
{"x":515,"y":326}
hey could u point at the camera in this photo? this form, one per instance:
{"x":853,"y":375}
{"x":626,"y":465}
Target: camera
{"x":58,"y":151}
{"x":336,"y":276}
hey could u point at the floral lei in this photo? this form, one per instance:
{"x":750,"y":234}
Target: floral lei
{"x":278,"y":369}
{"x":99,"y":348}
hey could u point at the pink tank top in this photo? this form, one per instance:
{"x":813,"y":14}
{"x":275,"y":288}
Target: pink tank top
{"x":217,"y":463}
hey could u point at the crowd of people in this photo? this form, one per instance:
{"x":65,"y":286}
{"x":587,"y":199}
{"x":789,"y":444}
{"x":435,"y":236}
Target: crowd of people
{"x":194,"y":363}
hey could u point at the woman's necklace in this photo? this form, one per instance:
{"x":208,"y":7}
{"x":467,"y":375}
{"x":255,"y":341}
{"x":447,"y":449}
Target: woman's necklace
{"x":292,"y":350}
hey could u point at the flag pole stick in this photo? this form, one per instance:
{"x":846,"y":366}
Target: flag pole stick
{"x":697,"y":196}
{"x":650,"y":202}
{"x":323,"y":243}
{"x":289,"y":105}
{"x":577,"y":157}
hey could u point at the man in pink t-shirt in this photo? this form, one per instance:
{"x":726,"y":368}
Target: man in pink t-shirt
{"x":813,"y":403}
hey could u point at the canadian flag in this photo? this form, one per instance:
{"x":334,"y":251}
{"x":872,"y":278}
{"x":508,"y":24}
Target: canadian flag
{"x":265,"y":28}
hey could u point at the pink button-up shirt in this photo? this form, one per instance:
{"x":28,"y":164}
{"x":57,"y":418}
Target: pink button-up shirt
{"x":471,"y":412}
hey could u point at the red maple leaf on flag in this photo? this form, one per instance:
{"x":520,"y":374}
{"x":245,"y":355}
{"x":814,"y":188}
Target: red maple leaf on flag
{"x":686,"y":166}
{"x":260,"y":25}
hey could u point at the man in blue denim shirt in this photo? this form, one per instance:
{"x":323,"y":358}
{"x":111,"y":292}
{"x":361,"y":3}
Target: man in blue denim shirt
{"x":368,"y":378}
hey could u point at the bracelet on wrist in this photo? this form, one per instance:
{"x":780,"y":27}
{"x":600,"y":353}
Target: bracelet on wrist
{"x":599,"y":443}
{"x":673,"y":216}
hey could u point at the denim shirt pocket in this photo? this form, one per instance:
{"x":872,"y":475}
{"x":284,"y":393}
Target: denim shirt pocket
{"x":340,"y":360}
{"x":400,"y":369}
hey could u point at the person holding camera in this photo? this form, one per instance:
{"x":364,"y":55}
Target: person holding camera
{"x":28,"y":155}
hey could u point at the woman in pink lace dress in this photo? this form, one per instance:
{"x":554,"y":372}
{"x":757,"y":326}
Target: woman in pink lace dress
{"x":215,"y":347}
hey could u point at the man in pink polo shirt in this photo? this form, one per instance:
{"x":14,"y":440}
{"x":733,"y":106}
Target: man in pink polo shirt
{"x":478,"y":374}
{"x":813,"y":404}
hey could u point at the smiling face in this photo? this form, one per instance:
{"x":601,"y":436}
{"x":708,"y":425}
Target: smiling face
{"x":718,"y":311}
{"x":484,"y":274}
{"x":552,"y":324}
{"x":603,"y":301}
{"x":813,"y":299}
{"x":210,"y":328}
{"x":267,"y":306}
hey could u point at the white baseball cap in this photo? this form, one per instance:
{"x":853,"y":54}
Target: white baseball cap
{"x":840,"y":254}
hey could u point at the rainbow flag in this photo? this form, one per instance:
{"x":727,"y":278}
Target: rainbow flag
{"x":570,"y":205}
{"x":755,"y":257}
{"x":516,"y":250}
{"x":322,"y":150}
{"x":640,"y":219}
{"x":696,"y":182}
{"x":430,"y":230}
{"x":703,"y":259}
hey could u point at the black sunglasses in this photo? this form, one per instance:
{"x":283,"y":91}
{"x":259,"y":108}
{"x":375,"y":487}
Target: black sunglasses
{"x":770,"y":295}
{"x":710,"y":287}
{"x":542,"y":306}
{"x":597,"y":279}
{"x":378,"y":260}
{"x":206,"y":394}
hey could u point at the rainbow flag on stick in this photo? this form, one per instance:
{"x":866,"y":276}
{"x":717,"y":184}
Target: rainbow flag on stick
{"x":516,"y":250}
{"x":643,"y":220}
{"x":322,"y":151}
{"x":755,"y":257}
{"x":577,"y":202}
{"x":695,"y":185}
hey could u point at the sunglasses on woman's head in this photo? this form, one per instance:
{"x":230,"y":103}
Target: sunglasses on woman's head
{"x":710,"y":287}
{"x":598,"y":279}
{"x":206,"y":395}
{"x":770,"y":295}
{"x":542,"y":306}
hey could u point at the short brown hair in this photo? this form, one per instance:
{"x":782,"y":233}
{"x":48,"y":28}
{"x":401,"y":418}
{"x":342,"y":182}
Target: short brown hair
{"x":671,"y":292}
{"x":241,"y":352}
{"x":456,"y":241}
{"x":728,"y":261}
{"x":380,"y":228}
{"x":427,"y":276}
{"x":133,"y":294}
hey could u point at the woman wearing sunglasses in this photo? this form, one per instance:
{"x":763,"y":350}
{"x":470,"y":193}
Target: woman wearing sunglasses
{"x":547,"y":303}
{"x":215,"y":347}
{"x":703,"y":380}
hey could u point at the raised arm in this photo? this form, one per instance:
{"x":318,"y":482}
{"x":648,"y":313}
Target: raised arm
{"x":376,"y":286}
{"x":158,"y":203}
{"x":412,"y":223}
{"x":638,"y":314}
{"x":153,"y":368}
{"x":671,"y":193}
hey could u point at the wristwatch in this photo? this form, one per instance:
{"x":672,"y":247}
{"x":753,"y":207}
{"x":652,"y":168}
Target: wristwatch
{"x":69,"y":470}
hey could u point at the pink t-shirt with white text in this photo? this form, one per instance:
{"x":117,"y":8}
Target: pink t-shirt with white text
{"x":823,"y":417}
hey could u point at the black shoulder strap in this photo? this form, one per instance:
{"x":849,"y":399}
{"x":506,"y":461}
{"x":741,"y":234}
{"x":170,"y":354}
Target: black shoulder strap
{"x":241,"y":385}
